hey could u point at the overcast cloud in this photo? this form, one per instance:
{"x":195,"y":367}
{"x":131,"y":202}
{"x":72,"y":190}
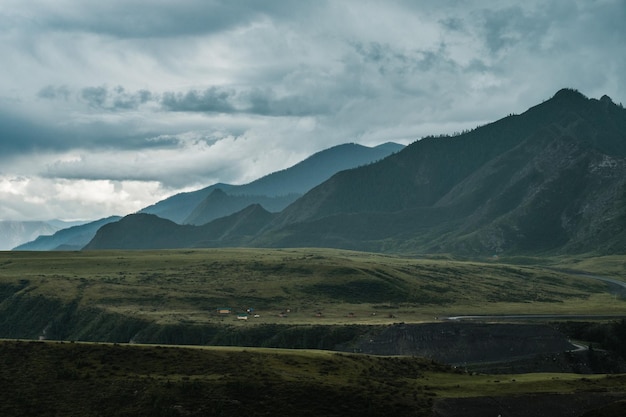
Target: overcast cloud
{"x":109,"y":106}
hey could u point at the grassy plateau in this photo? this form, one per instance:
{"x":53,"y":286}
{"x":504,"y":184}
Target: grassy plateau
{"x":296,"y":285}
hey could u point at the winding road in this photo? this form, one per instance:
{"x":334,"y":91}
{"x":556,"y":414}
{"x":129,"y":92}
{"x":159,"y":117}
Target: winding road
{"x":620,"y":284}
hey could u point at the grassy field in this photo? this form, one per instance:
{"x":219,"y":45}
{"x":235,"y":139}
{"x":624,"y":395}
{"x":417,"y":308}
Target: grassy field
{"x":311,"y":286}
{"x":611,"y":266}
{"x":56,"y":378}
{"x":164,"y":291}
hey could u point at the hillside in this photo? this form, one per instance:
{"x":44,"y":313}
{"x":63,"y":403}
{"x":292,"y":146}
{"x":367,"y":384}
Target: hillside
{"x":550,"y":180}
{"x":120,"y":380}
{"x":274,"y":191}
{"x":147,"y":231}
{"x":177,"y":207}
{"x":220,"y":204}
{"x":121,"y":295}
{"x":316,"y":169}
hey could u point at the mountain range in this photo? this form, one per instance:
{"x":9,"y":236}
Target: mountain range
{"x":12,"y":233}
{"x":549,"y":180}
{"x":15,"y":232}
{"x":70,"y":238}
{"x":274,"y":192}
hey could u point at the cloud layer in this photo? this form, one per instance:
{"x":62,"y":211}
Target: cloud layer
{"x":107,"y":107}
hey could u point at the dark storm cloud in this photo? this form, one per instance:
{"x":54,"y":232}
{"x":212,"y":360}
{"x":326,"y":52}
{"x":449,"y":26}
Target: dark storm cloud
{"x":27,"y":133}
{"x":123,"y":100}
{"x":509,"y":26}
{"x":257,"y":101}
{"x":264,"y":102}
{"x":94,"y":96}
{"x":22,"y":135}
{"x":555,"y":26}
{"x":210,"y":100}
{"x":19,"y":135}
{"x":390,"y":60}
{"x":163,"y":19}
{"x":411,"y":73}
{"x":453,"y":23}
{"x":100,"y":97}
{"x":114,"y":99}
{"x":51,"y":92}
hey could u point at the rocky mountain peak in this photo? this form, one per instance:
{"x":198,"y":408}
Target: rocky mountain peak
{"x":606,"y":99}
{"x":569,"y":94}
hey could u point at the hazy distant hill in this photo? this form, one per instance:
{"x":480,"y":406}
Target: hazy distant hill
{"x":220,"y":204}
{"x":177,"y":207}
{"x":274,"y":191}
{"x":71,"y":238}
{"x":552,"y":179}
{"x":316,"y":169}
{"x":13,"y":233}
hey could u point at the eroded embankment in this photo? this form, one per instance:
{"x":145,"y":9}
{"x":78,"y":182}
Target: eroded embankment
{"x":498,"y":347}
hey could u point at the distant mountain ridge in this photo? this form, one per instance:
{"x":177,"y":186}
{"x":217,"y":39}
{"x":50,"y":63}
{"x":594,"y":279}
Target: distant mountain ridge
{"x":220,"y":204}
{"x":274,"y":191}
{"x":13,"y":233}
{"x":552,"y":179}
{"x":71,"y":238}
{"x":316,"y":169}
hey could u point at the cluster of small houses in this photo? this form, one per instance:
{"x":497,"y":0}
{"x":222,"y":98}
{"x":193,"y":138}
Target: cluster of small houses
{"x":225,"y":311}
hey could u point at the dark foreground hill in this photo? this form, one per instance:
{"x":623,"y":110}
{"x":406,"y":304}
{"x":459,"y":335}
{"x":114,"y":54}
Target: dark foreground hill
{"x":74,"y":379}
{"x":552,"y":179}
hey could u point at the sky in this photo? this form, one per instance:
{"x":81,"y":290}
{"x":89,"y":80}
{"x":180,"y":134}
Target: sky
{"x":109,"y":106}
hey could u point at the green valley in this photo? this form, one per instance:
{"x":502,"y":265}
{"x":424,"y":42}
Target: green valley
{"x":299,"y":300}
